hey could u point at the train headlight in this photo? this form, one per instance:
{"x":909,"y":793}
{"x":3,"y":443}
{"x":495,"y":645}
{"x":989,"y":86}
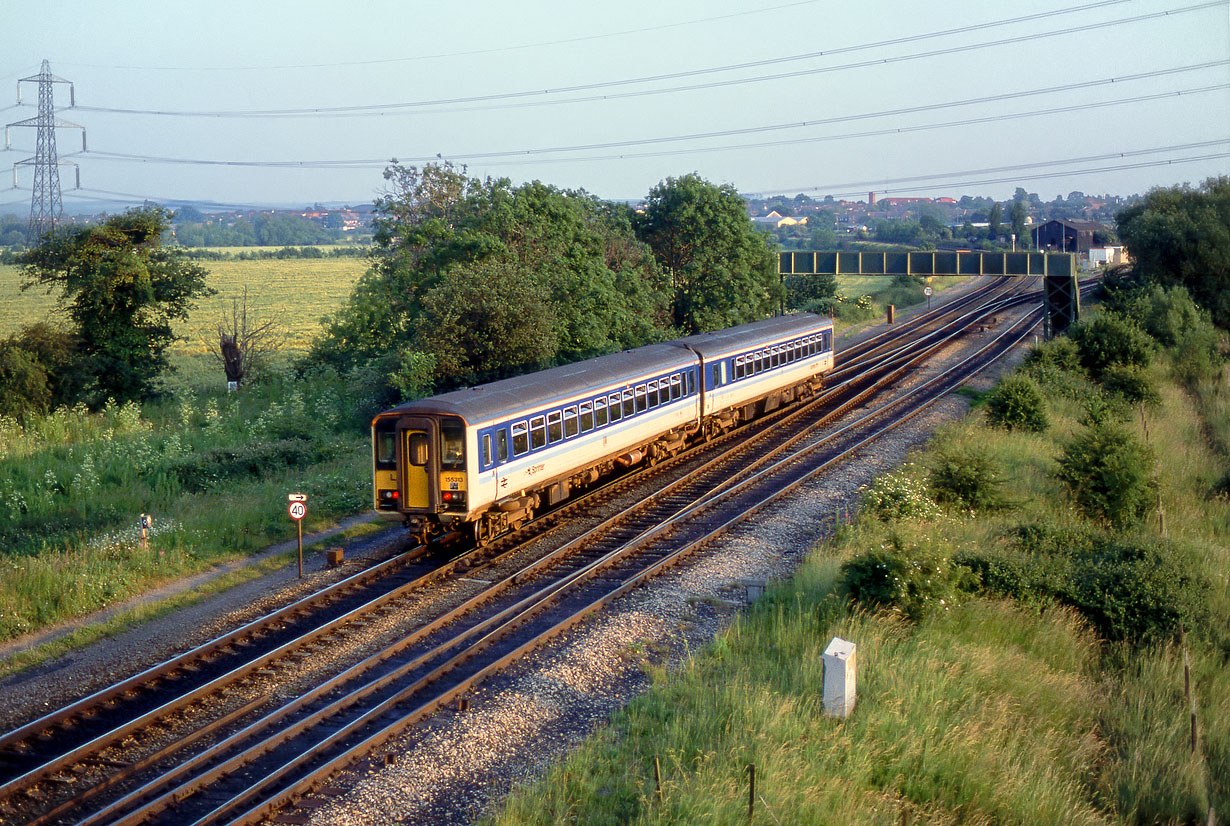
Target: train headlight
{"x":388,"y":498}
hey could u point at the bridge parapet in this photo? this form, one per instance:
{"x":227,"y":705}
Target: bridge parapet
{"x":927,"y":263}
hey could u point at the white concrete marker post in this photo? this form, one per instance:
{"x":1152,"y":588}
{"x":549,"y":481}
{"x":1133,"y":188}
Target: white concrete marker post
{"x":840,"y":666}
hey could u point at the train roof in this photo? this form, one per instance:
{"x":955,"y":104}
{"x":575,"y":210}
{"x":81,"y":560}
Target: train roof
{"x":767,"y":331}
{"x":507,"y":397}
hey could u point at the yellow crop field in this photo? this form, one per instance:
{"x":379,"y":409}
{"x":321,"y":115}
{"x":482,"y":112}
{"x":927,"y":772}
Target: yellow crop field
{"x":297,"y":292}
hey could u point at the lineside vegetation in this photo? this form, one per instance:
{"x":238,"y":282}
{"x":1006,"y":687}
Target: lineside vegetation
{"x":1023,"y":599}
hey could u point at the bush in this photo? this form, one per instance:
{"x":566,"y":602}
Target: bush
{"x":1109,"y":474}
{"x":1060,"y":353}
{"x":1110,"y":339}
{"x":1136,"y":590}
{"x":898,"y":496}
{"x":1128,"y":589}
{"x":1131,"y":384}
{"x":967,"y":481}
{"x":1017,"y":403}
{"x":914,"y":580}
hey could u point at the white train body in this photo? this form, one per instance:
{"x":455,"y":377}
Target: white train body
{"x":487,"y":457}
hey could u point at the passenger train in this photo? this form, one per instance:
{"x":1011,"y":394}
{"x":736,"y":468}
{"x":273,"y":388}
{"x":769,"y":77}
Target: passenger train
{"x":482,"y":460}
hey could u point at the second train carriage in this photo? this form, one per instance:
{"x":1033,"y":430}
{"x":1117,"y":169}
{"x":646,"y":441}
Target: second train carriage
{"x":486,"y":457}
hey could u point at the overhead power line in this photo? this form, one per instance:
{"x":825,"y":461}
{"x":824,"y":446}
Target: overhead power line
{"x":553,"y":93}
{"x":475,"y":52}
{"x":871,"y":133}
{"x":938,"y":179}
{"x":726,"y":133}
{"x":931,"y":179}
{"x":1036,"y":177}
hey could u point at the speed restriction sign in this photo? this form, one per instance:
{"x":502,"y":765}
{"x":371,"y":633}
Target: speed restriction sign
{"x":927,"y":291}
{"x":298,"y":510}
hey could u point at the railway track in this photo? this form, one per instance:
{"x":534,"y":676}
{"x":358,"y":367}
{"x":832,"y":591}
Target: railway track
{"x":517,"y":602}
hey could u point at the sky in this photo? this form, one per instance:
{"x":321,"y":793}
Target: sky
{"x":296,"y":102}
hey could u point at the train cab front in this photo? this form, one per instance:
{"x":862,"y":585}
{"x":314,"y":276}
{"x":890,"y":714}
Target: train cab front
{"x":419,"y":470}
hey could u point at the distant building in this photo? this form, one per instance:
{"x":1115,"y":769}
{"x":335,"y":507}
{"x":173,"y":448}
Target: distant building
{"x":775,"y":219}
{"x":1108,"y":256}
{"x":1068,"y":236}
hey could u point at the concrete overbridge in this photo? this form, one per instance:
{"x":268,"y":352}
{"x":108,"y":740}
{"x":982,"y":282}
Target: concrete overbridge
{"x":1057,"y":270}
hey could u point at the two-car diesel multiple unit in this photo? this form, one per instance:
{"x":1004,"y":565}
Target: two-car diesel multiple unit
{"x":483,"y":459}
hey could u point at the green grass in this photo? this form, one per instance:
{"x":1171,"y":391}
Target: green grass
{"x":295,"y":292}
{"x":212,"y":469}
{"x":985,"y":711}
{"x":92,"y":632}
{"x":882,"y":291}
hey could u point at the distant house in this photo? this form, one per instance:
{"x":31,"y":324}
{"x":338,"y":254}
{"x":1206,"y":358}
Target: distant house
{"x":1069,"y":236}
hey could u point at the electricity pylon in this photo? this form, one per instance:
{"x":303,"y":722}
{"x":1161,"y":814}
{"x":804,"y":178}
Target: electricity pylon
{"x":46,"y":207}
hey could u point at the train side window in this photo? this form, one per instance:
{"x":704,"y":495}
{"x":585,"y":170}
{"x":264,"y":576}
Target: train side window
{"x":485,"y":450}
{"x":599,"y":412}
{"x":555,"y":427}
{"x":520,"y":438}
{"x":616,"y":408}
{"x":501,"y":445}
{"x":717,"y":376}
{"x":587,"y":417}
{"x":777,"y":357}
{"x":641,"y":399}
{"x":418,"y":449}
{"x":653,"y":394}
{"x":629,"y":404}
{"x":828,"y":340}
{"x":738,"y":367}
{"x":570,"y":422}
{"x":691,"y":382}
{"x":676,"y":386}
{"x":538,"y":432}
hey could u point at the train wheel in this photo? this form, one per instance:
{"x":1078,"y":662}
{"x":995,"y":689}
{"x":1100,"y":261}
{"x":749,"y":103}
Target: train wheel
{"x":484,"y":532}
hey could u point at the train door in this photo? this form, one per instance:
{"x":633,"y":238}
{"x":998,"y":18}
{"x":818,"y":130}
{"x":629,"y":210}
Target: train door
{"x":416,"y":480}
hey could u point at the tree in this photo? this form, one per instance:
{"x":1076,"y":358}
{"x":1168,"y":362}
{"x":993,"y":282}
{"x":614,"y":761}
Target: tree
{"x":121,"y":288}
{"x":1019,"y":213}
{"x":994,"y":230}
{"x":931,"y":225}
{"x":243,"y":344}
{"x":488,"y":320}
{"x":722,"y":270}
{"x":1181,"y":235}
{"x":447,"y":245}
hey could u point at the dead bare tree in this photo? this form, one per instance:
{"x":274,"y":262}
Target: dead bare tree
{"x":243,"y":344}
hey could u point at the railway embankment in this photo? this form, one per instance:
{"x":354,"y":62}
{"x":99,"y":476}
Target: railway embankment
{"x":1041,"y":617}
